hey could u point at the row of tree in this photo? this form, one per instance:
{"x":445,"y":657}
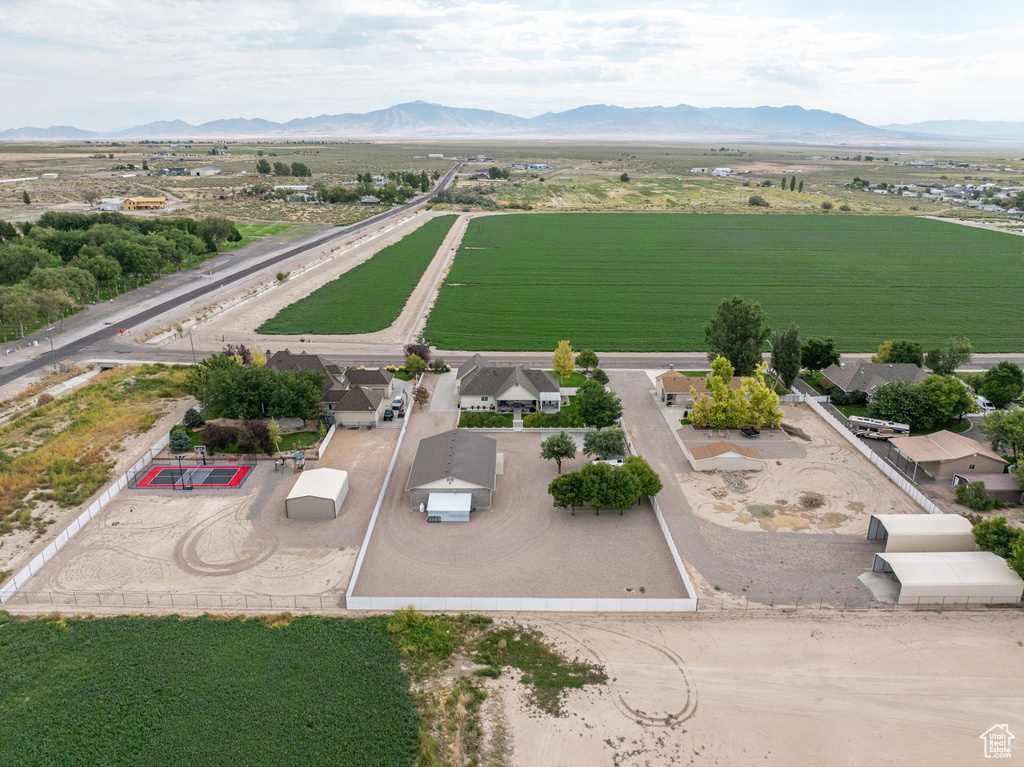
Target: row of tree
{"x":603,"y":486}
{"x":724,"y":407}
{"x":296,"y":169}
{"x":1008,"y":542}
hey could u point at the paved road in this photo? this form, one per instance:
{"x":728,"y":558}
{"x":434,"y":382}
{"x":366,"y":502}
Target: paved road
{"x":74,"y":348}
{"x":780,"y":566}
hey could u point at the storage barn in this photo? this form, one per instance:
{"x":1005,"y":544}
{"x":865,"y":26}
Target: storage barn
{"x":456,"y":461}
{"x":922,"y":532}
{"x":318,"y":494}
{"x":951,"y":577}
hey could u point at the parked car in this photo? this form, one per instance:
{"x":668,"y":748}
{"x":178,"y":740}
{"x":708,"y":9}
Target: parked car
{"x":750,"y":431}
{"x":984,"y":404}
{"x":389,"y":415}
{"x":398,"y":403}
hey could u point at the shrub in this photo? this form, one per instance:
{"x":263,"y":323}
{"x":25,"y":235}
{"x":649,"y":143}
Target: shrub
{"x":218,"y":436}
{"x":438,"y":366}
{"x":757,"y":201}
{"x":255,"y":437}
{"x":282,"y":276}
{"x":552,"y":421}
{"x":193,"y":419}
{"x":826,"y":205}
{"x":420,"y":350}
{"x":180,"y":442}
{"x":326,"y":418}
{"x":482,"y":420}
{"x":975,"y":496}
{"x":600,"y":376}
{"x":44,"y":399}
{"x":845,"y":208}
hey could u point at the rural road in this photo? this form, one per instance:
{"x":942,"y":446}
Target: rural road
{"x":93,"y":340}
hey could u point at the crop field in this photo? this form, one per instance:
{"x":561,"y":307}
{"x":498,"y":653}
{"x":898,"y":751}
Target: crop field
{"x":369,"y":297}
{"x":162,"y":691}
{"x":650,"y":282}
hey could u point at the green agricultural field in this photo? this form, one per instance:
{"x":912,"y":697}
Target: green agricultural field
{"x":369,"y":297}
{"x":649,"y":282}
{"x":170,"y":691}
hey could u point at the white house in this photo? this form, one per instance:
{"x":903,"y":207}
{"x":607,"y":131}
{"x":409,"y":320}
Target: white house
{"x":721,"y":171}
{"x":482,"y":385}
{"x":207,"y":170}
{"x":698,"y":170}
{"x":111,"y":203}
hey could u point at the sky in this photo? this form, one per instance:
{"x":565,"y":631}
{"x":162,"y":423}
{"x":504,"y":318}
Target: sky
{"x":109,"y":64}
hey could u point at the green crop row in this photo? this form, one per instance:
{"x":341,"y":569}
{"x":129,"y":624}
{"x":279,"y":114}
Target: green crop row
{"x":649,"y":282}
{"x":369,"y":297}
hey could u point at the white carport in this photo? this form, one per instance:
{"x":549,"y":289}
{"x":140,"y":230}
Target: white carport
{"x":922,"y":532}
{"x":951,"y":577}
{"x":317,"y":494}
{"x":449,"y":507}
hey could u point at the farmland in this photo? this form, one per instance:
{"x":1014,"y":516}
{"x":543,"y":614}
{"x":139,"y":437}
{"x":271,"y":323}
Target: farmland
{"x":649,"y":282}
{"x":137,"y":690}
{"x":369,"y":297}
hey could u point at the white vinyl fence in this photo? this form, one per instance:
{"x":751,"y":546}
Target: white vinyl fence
{"x":326,"y":441}
{"x":868,"y":453}
{"x":22,"y":576}
{"x":524,"y":604}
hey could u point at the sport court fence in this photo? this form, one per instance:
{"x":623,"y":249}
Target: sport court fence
{"x":187,"y":474}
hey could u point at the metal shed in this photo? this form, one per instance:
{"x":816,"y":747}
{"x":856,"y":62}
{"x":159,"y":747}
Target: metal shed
{"x":951,"y":577}
{"x":318,"y":494}
{"x":922,"y":532}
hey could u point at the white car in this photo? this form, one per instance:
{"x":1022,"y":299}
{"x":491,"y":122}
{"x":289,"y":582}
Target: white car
{"x":984,"y":404}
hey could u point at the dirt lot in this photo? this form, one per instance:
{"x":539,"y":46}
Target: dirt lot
{"x":851,"y":689}
{"x":522,"y":546}
{"x":227,"y":541}
{"x":833,"y":488}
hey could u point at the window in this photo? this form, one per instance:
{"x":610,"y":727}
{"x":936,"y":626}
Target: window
{"x":971,"y":466}
{"x":484,"y":399}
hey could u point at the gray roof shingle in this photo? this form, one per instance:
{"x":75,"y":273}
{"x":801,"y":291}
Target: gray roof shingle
{"x":459,"y":454}
{"x":867,"y":376}
{"x":358,"y":400}
{"x":493,"y":381}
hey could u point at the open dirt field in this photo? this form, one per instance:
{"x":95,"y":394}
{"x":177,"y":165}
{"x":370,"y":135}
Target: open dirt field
{"x":522,"y":547}
{"x":227,"y":541}
{"x":808,"y":689}
{"x":833,"y":488}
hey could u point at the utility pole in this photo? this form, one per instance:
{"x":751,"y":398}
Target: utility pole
{"x":53,"y":356}
{"x":190,"y":343}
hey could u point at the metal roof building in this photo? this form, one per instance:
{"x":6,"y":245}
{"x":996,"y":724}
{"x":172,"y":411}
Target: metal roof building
{"x":951,"y":577}
{"x":922,"y":532}
{"x":318,"y":494}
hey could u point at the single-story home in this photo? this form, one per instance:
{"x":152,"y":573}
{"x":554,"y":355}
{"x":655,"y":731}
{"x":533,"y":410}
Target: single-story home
{"x":206,"y":170}
{"x":359,"y":407}
{"x":376,"y":380}
{"x":725,"y":456}
{"x":482,"y":385}
{"x":951,"y":577}
{"x":868,"y":376}
{"x":1005,"y":488}
{"x":456,"y":461}
{"x":334,"y":379}
{"x":941,"y":455}
{"x":673,"y":387}
{"x":317,"y":494}
{"x":922,"y":532}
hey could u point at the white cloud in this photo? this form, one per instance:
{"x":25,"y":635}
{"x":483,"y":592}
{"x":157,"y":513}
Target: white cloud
{"x":120,"y":62}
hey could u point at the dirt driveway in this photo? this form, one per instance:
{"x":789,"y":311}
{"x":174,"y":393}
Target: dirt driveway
{"x":784,"y":566}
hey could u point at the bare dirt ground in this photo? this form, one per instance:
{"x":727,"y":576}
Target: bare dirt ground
{"x":522,"y":547}
{"x":776,"y":689}
{"x":833,"y":488}
{"x":19,"y":546}
{"x":1007,"y":227}
{"x":227,"y":541}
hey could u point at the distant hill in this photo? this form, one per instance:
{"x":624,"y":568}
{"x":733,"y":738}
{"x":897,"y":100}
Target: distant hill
{"x":976,"y":129}
{"x":419,"y":119}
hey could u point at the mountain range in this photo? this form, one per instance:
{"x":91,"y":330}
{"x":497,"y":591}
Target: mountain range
{"x":419,"y":119}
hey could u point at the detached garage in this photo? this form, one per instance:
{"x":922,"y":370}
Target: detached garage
{"x":951,"y":577}
{"x":725,"y":456}
{"x":922,"y":532}
{"x":318,"y":494}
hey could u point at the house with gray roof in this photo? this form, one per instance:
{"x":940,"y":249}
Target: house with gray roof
{"x":334,"y":380}
{"x":454,"y":462}
{"x":359,"y":406}
{"x":868,"y":376}
{"x":483,"y":385}
{"x":377,"y":380}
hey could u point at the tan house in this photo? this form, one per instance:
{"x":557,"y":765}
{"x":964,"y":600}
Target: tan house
{"x":454,"y":462}
{"x":376,"y":380}
{"x":941,"y":455}
{"x":674,"y":388}
{"x":359,"y":407}
{"x":145,"y":203}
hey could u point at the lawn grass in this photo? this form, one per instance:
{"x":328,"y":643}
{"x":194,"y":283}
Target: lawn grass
{"x":173,"y":691}
{"x":572,"y":380}
{"x":252,"y":233}
{"x":954,"y":424}
{"x":369,"y":297}
{"x":649,"y":282}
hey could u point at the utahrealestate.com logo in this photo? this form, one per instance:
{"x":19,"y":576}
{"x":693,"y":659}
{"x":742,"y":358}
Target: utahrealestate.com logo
{"x":997,"y":741}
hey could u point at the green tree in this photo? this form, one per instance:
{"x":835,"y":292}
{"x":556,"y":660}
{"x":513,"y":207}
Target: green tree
{"x":648,"y":482}
{"x":145,"y":164}
{"x":786,"y":354}
{"x":792,"y":184}
{"x":1005,"y":428}
{"x":301,"y":170}
{"x":8,"y":232}
{"x":180,"y":442}
{"x":1001,"y":384}
{"x":596,"y":481}
{"x":737,"y":332}
{"x":295,"y":394}
{"x":281,"y":169}
{"x":568,"y":491}
{"x":215,"y":230}
{"x":414,"y":365}
{"x":757,"y":201}
{"x":596,"y":405}
{"x":606,"y":443}
{"x":723,"y":407}
{"x":53,"y":303}
{"x":945,"y":360}
{"x":900,"y":351}
{"x":558,"y":447}
{"x":904,"y":403}
{"x":949,"y":397}
{"x":586,"y":359}
{"x":562,"y":360}
{"x":762,"y":401}
{"x":818,"y":353}
{"x":17,"y":260}
{"x":17,"y":306}
{"x":1016,"y":559}
{"x":801,"y":187}
{"x":263,"y":167}
{"x":624,"y":178}
{"x":193,"y":419}
{"x":994,"y":535}
{"x":25,"y":198}
{"x":621,"y":490}
{"x":600,"y":376}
